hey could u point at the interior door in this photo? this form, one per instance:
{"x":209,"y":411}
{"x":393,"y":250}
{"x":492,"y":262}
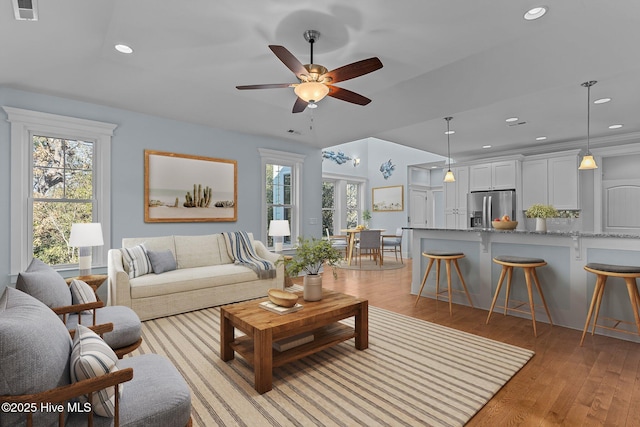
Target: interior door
{"x":418,"y":208}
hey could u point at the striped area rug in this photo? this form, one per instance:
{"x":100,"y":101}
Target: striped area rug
{"x":414,"y":373}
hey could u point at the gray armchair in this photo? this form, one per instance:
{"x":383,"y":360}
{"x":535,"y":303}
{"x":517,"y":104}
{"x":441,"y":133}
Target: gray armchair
{"x":38,"y":368}
{"x":393,"y":242}
{"x":46,"y":285}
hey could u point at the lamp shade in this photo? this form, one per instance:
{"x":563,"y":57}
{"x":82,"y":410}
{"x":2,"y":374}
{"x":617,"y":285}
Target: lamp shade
{"x":449,"y":177}
{"x":86,"y":234}
{"x":279,"y":228}
{"x":588,"y":162}
{"x":311,"y":91}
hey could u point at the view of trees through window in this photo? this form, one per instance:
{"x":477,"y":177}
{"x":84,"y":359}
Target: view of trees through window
{"x":62,"y":195}
{"x":328,"y":206}
{"x":278,"y":193}
{"x":353,"y":204}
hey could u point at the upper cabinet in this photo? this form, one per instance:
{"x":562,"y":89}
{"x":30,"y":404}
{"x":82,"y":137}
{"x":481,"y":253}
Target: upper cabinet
{"x":551,"y":181}
{"x":493,"y":176}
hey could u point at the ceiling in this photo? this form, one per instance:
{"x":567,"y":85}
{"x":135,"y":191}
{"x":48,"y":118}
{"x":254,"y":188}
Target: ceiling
{"x":479,"y":62}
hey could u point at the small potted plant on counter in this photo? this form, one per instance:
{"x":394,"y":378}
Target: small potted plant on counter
{"x":541,"y":212}
{"x":311,"y":254}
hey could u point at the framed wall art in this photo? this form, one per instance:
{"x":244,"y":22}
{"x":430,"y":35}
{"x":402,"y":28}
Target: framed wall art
{"x":185,"y":188}
{"x":388,"y":199}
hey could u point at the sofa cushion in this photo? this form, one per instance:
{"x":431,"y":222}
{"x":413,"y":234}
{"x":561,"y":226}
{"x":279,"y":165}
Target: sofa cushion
{"x":162,"y":261}
{"x":82,"y":293}
{"x":91,"y":357}
{"x":150,"y":243}
{"x":45,"y":284}
{"x":197,"y":251}
{"x":137,"y":260}
{"x":189,"y":279}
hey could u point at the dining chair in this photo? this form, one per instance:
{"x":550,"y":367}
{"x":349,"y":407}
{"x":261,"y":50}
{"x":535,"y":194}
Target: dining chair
{"x":393,"y":242}
{"x":338,"y":241}
{"x":370,"y":244}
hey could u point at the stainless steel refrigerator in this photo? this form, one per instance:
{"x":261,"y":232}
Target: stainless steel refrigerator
{"x":484,"y":206}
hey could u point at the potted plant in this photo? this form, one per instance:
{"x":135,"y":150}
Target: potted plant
{"x":366,"y":217}
{"x":541,"y":212}
{"x":311,"y":254}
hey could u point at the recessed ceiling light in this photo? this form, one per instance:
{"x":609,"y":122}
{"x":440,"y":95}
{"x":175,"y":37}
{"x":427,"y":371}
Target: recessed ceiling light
{"x":535,"y":13}
{"x":511,"y":119}
{"x":123,"y":48}
{"x":486,"y":146}
{"x":434,"y":167}
{"x":541,"y":138}
{"x":450,"y":132}
{"x":601,"y":100}
{"x":615,"y":126}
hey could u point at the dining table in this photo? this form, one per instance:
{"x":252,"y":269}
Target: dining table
{"x":352,"y":237}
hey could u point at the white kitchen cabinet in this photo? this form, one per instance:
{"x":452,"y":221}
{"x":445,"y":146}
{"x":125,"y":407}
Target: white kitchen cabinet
{"x":535,"y":182}
{"x":493,"y":176}
{"x":563,"y":183}
{"x":455,"y":199}
{"x":551,"y":181}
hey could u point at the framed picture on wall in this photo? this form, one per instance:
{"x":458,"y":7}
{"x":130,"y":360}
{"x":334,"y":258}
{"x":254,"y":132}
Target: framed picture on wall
{"x":388,"y":199}
{"x":185,"y":188}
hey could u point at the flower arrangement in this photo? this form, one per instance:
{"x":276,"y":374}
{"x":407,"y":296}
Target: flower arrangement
{"x":366,"y":215}
{"x":311,"y":254}
{"x":541,"y":211}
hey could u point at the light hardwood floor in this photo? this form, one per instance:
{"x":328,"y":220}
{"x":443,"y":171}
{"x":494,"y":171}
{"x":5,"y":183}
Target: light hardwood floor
{"x":563,"y":384}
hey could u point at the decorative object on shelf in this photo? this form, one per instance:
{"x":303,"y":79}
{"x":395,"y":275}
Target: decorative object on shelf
{"x":339,"y":157}
{"x":387,"y":169}
{"x":541,"y":213}
{"x":278,"y":228}
{"x":366,"y":217}
{"x":311,"y":254}
{"x":588,"y":161}
{"x":282,"y":298}
{"x":448,"y":177}
{"x":84,"y":236}
{"x":169,"y":176}
{"x":388,"y":199}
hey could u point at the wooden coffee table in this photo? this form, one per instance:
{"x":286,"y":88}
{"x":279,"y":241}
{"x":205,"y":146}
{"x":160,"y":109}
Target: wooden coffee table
{"x":263,"y":327}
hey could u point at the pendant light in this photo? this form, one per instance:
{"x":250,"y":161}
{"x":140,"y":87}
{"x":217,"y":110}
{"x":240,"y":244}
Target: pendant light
{"x":588,"y":161}
{"x":449,"y":175}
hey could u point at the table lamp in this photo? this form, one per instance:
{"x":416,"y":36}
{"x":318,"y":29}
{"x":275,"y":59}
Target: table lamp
{"x":84,"y":236}
{"x":278,"y":228}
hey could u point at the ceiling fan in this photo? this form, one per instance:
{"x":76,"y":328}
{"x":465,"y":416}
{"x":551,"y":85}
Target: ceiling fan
{"x":316,"y":81}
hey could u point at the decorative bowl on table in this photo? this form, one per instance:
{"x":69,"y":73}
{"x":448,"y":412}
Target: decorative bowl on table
{"x":282,"y":298}
{"x":504,"y":225}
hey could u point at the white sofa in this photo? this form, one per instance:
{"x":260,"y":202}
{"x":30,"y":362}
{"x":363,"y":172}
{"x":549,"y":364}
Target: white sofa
{"x":205,"y":276}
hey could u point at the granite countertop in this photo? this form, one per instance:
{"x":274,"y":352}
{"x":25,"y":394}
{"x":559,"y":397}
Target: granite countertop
{"x":548,"y":233}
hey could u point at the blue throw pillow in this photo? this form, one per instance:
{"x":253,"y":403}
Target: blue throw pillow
{"x":162,"y":261}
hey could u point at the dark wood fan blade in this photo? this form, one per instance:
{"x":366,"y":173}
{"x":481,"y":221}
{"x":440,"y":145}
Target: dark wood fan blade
{"x":353,"y":70}
{"x":347,"y":95}
{"x":268,"y":86}
{"x":288,"y":59}
{"x":299,"y":105}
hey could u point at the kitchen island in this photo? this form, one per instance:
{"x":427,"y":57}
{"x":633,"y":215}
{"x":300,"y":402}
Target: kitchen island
{"x":566,"y":285}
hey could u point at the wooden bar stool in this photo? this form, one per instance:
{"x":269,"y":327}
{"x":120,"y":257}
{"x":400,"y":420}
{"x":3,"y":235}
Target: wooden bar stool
{"x":603,"y":271}
{"x":448,"y":257}
{"x":529,"y":266}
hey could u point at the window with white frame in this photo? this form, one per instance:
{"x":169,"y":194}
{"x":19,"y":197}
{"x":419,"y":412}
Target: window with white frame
{"x":342,"y":201}
{"x":60,"y":174}
{"x":281,"y":191}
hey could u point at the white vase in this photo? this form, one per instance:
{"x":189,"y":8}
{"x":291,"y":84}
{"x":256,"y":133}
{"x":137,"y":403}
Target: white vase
{"x":541,"y":225}
{"x":312,"y":287}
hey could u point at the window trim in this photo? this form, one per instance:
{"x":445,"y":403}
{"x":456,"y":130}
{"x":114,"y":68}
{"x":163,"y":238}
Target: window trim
{"x":295,"y":161}
{"x":26,"y":123}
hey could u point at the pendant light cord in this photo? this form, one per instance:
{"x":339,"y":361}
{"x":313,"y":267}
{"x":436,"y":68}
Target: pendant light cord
{"x":448,"y":119}
{"x":588,"y":86}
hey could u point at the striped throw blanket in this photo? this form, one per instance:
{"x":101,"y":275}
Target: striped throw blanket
{"x":240,"y":248}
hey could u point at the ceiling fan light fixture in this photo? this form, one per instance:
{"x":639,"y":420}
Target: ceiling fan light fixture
{"x":311,"y":92}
